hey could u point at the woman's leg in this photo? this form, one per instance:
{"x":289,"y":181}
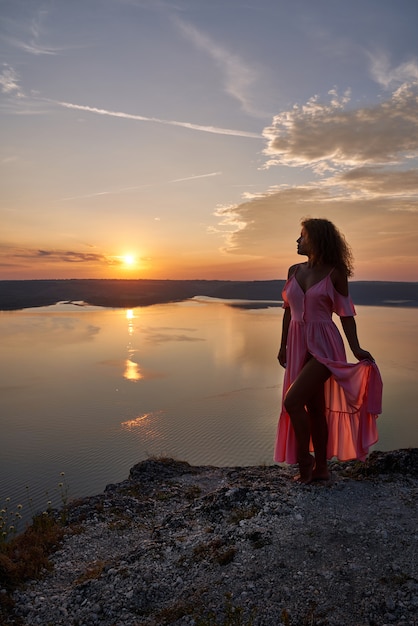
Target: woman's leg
{"x":302,"y":393}
{"x":319,"y":433}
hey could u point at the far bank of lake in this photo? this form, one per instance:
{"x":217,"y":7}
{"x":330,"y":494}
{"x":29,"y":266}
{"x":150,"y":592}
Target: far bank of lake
{"x":19,"y":294}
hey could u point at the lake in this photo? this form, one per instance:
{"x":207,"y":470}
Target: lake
{"x":89,"y":391}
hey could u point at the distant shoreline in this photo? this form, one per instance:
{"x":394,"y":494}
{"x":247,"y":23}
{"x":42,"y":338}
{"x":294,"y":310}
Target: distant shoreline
{"x":21,"y":294}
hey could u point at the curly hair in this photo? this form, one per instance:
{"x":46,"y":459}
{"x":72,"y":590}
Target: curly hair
{"x":328,"y":245}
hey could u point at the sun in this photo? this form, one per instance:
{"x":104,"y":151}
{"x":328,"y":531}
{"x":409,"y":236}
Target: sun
{"x":128,"y":260}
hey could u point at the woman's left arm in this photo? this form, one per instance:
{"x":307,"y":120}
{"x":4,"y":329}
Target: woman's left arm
{"x":349,"y":323}
{"x":350,"y":330}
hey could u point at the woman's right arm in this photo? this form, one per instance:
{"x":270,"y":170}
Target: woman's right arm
{"x":285,"y":329}
{"x":287,"y":316}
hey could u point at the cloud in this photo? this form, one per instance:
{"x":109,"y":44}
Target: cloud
{"x":365,"y":185}
{"x":254,"y":227}
{"x":141,"y":118}
{"x":33,"y":47}
{"x":239,"y":76}
{"x":267,"y":227}
{"x":329,"y":135}
{"x":9,"y":159}
{"x":69,"y":256}
{"x":9,"y":81}
{"x":28,"y":36}
{"x":60,"y":256}
{"x":380,"y":182}
{"x":386,"y":76}
{"x":14,"y":256}
{"x":15,"y":100}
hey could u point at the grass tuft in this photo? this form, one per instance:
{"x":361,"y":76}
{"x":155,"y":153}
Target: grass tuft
{"x":26,"y":556}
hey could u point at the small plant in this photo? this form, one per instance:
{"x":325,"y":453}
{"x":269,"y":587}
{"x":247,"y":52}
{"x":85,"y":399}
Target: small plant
{"x":215,"y":551}
{"x":10,"y":520}
{"x":162,"y":496}
{"x":309,"y":619}
{"x":192,"y":492}
{"x":225,"y":556}
{"x":234,"y":616}
{"x":64,"y":489}
{"x":63,"y":493}
{"x":25,"y":555}
{"x":239,"y":514}
{"x":93,"y":571}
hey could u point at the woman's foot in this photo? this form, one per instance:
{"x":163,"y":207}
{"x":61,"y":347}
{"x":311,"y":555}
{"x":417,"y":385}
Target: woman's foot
{"x":305,"y":475}
{"x":321,"y":473}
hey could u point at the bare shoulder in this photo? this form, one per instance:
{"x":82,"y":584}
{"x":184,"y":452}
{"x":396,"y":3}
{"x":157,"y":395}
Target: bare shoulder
{"x":339,"y":280}
{"x":292,"y":269}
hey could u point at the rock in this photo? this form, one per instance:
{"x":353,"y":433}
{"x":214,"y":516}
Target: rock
{"x":177,"y":544}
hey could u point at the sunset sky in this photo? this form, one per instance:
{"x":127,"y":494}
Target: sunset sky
{"x":188,"y":138}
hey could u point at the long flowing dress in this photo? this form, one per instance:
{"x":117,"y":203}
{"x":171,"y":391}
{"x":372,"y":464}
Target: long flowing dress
{"x":353,"y":393}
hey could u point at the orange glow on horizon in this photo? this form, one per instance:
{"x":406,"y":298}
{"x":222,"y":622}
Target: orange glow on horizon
{"x":197,"y":267}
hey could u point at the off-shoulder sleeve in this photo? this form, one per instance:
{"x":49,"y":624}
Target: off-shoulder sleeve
{"x":343,"y":305}
{"x":285,"y":304}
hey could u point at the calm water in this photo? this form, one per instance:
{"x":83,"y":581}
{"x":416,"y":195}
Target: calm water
{"x":90,"y":391}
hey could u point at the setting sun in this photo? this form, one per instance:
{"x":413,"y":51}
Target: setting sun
{"x":128,"y":261}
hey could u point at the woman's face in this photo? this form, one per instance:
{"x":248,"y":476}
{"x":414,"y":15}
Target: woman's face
{"x":303,"y":242}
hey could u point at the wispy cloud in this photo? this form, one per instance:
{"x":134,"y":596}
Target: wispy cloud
{"x":9,"y":159}
{"x":17,"y":256}
{"x":29,"y":36}
{"x":33,"y":47}
{"x":96,"y":194}
{"x":10,"y":82}
{"x":60,"y":256}
{"x":137,"y":187}
{"x":140,"y":118}
{"x":388,"y":76}
{"x":15,"y":100}
{"x":239,"y":77}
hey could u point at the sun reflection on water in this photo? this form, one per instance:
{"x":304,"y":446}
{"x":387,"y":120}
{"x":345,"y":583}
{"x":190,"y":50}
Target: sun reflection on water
{"x":130,"y":424}
{"x":130,"y":316}
{"x":132,"y":371}
{"x":145,"y":423}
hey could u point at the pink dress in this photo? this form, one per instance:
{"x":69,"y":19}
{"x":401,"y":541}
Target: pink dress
{"x":353,"y":393}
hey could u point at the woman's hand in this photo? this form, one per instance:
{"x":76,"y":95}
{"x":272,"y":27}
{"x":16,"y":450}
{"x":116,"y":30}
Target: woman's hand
{"x":350,"y":330}
{"x":363,"y":355}
{"x":282,"y":356}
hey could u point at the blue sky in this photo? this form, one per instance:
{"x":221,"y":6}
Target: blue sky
{"x":187,"y":139}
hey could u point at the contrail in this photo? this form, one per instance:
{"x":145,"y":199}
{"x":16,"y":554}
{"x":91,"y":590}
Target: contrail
{"x":125,"y":189}
{"x":141,"y":118}
{"x":180,"y":180}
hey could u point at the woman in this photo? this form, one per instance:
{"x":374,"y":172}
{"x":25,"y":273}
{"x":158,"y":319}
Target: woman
{"x":328,"y":404}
